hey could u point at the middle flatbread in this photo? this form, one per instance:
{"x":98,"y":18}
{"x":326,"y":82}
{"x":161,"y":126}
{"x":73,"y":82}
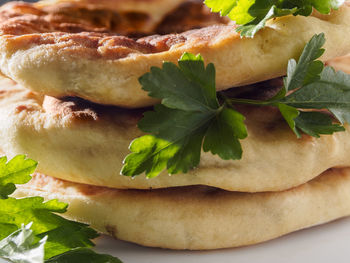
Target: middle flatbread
{"x":83,"y":142}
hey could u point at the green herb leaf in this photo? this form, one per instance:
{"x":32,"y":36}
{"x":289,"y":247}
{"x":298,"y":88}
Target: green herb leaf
{"x":308,"y":69}
{"x":237,"y":10}
{"x":252,"y":15}
{"x":340,"y":81}
{"x":190,"y":113}
{"x":316,"y":123}
{"x":313,"y":87}
{"x":83,"y":255}
{"x":311,"y":123}
{"x":331,"y":91}
{"x":188,"y":87}
{"x":175,"y":144}
{"x":290,"y":114}
{"x":16,"y":171}
{"x":263,"y":13}
{"x":223,"y":134}
{"x":63,"y":234}
{"x":191,"y":117}
{"x":22,"y":246}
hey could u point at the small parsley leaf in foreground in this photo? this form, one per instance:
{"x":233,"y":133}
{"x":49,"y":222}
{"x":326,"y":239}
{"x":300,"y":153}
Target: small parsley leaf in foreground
{"x":189,"y":113}
{"x":191,"y":118}
{"x":22,"y":246}
{"x":46,"y":234}
{"x":83,"y":255}
{"x":252,"y":15}
{"x":15,"y":212}
{"x":16,"y":171}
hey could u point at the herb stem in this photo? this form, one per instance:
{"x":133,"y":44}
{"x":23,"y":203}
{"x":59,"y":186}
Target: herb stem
{"x":232,"y":101}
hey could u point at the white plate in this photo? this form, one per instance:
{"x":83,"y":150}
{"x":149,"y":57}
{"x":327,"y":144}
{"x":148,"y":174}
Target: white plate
{"x":322,"y":244}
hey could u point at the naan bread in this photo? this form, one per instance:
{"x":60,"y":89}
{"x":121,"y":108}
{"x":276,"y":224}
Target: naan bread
{"x":83,"y":142}
{"x":155,"y":9}
{"x":49,"y":54}
{"x":340,"y":63}
{"x":199,"y":217}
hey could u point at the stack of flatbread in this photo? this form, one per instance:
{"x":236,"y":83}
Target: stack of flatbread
{"x":70,"y":99}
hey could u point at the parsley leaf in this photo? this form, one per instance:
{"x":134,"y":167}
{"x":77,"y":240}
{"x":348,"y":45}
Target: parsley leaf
{"x":191,"y":118}
{"x":223,"y":134}
{"x":83,"y":255}
{"x":16,"y":171}
{"x":190,"y":86}
{"x":290,"y":114}
{"x":236,"y":10}
{"x":261,"y":12}
{"x":22,"y":246}
{"x":311,"y":123}
{"x":46,"y":234}
{"x":15,"y":212}
{"x":316,"y":123}
{"x":308,"y":68}
{"x":252,"y":15}
{"x":331,"y":91}
{"x":189,"y":113}
{"x":313,"y":86}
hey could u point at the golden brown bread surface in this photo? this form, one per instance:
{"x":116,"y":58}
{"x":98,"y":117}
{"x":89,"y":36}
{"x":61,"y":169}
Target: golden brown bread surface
{"x":83,"y":142}
{"x":199,"y":217}
{"x":57,"y":59}
{"x":341,"y":63}
{"x":19,"y":18}
{"x":155,"y":10}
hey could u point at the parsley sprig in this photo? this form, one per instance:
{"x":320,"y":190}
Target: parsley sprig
{"x":30,"y":229}
{"x":313,"y":86}
{"x":252,"y":15}
{"x":190,"y":117}
{"x":190,"y":113}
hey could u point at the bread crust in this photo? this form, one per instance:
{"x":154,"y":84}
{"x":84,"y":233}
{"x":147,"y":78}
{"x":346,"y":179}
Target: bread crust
{"x":105,"y":68}
{"x":155,"y":9}
{"x":199,"y":218}
{"x":83,"y":142}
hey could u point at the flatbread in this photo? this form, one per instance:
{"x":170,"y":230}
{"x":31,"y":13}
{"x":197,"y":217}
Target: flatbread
{"x":199,"y":217}
{"x":155,"y":9}
{"x":340,"y":63}
{"x":50,"y":57}
{"x":83,"y":142}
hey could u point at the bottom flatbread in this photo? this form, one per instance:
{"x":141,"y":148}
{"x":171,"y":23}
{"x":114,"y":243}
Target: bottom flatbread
{"x":199,"y":217}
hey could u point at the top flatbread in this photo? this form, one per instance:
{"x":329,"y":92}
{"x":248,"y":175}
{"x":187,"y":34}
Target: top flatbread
{"x":48,"y":57}
{"x":155,"y":9}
